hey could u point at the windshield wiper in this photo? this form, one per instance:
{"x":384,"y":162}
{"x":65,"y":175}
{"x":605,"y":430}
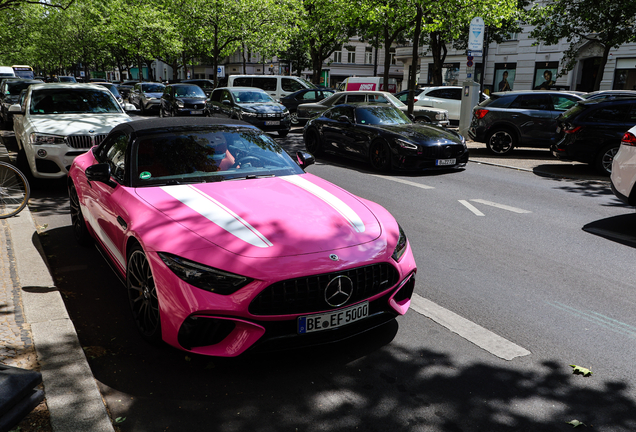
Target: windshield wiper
{"x":252,"y":176}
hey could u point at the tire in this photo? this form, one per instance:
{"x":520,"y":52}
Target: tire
{"x":313,"y":142}
{"x":14,"y":191}
{"x":80,"y":230}
{"x":293,"y":117}
{"x":380,"y":156}
{"x":501,"y":142}
{"x":142,"y":108}
{"x":283,"y":133}
{"x":423,"y":120}
{"x":604,"y":159}
{"x":142,"y":296}
{"x":161,"y":111}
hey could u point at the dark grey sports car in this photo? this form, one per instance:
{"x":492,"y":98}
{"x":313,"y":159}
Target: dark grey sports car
{"x":384,"y":136}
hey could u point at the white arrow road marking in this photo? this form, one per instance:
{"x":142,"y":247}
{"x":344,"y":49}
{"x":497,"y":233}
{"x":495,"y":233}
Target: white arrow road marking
{"x":406,"y":182}
{"x":500,"y":206}
{"x":470,"y":331}
{"x":471,"y":207}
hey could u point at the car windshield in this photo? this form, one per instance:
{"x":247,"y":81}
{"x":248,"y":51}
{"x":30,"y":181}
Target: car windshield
{"x":247,"y":96}
{"x":214,"y":153}
{"x":14,"y":88}
{"x":67,"y":79}
{"x":381,"y":115}
{"x":189,"y":91}
{"x":112,"y":88}
{"x":73,"y":101}
{"x":307,"y":83}
{"x":395,"y":101}
{"x":152,"y":88}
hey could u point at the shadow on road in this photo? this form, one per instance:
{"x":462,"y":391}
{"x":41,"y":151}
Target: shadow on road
{"x":621,"y":229}
{"x":368,"y":383}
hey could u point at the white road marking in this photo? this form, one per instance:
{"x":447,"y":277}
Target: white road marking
{"x":500,"y":206}
{"x":406,"y":182}
{"x":471,"y":207}
{"x":470,"y":331}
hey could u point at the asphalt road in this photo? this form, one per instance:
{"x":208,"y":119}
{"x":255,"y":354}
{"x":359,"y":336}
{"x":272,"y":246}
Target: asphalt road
{"x":531,"y":255}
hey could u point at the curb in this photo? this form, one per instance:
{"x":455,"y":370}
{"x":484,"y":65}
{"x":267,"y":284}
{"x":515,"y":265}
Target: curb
{"x":72,"y":395}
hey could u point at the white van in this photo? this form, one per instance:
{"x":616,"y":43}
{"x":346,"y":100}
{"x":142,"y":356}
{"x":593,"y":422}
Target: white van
{"x":369,"y":84}
{"x":276,"y":86}
{"x":6,"y":72}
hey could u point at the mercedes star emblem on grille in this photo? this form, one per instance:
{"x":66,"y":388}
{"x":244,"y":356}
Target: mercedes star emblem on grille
{"x":338,"y":291}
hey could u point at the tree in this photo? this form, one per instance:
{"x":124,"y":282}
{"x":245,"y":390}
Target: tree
{"x":610,"y":24}
{"x":12,"y":4}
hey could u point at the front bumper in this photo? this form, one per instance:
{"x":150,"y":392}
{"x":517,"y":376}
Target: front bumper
{"x":210,"y":324}
{"x":51,"y":160}
{"x":428,"y":159}
{"x":265,"y":124}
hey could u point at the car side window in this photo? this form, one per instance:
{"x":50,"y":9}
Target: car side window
{"x":243,"y":82}
{"x":342,"y":111}
{"x":216,"y":96}
{"x":377,"y":98}
{"x":166,"y":91}
{"x":113,"y":152}
{"x":268,"y":84}
{"x":225,"y":96}
{"x":355,"y":98}
{"x":532,"y":101}
{"x":310,"y":95}
{"x":290,"y":85}
{"x":563,"y":102}
{"x":610,"y":114}
{"x":454,"y":93}
{"x":338,"y":100}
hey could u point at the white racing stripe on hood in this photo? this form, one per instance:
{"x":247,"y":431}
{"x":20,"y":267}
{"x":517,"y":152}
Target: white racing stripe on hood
{"x":217,"y":213}
{"x":335,"y":202}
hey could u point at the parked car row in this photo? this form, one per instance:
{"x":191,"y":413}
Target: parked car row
{"x":577,"y":127}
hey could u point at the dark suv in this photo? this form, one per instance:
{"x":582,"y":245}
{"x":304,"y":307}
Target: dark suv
{"x":519,"y":119}
{"x":591,"y":131}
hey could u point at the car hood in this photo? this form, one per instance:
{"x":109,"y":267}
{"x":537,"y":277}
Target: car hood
{"x":262,"y":107}
{"x":68,"y":124}
{"x":419,"y":133}
{"x":269,"y":217}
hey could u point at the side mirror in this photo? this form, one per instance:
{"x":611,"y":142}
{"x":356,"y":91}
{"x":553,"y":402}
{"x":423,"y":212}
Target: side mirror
{"x":344,"y":119}
{"x":226,"y":102}
{"x":129,"y":107}
{"x":305,"y":159}
{"x":15,"y":109}
{"x":99,"y":173}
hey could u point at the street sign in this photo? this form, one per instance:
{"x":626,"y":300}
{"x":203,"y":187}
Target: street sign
{"x":474,"y":53}
{"x":476,"y":34}
{"x":469,"y":63}
{"x":220,"y":71}
{"x":470,"y":57}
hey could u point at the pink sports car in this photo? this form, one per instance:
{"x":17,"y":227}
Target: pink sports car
{"x":225,"y":244}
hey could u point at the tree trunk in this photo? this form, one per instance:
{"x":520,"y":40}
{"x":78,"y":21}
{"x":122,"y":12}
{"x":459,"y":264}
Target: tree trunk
{"x":387,"y":59}
{"x":415,"y":58}
{"x":439,"y":50}
{"x":601,"y":68}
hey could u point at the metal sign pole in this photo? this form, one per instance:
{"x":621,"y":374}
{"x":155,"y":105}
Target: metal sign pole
{"x":483,"y":61}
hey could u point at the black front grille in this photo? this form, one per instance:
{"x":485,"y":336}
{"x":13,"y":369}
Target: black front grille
{"x":84,"y":141}
{"x":307,"y":294}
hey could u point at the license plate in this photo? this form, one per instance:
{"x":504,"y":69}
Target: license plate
{"x":444,"y":162}
{"x":319,"y":322}
{"x":196,"y":112}
{"x":272,"y":123}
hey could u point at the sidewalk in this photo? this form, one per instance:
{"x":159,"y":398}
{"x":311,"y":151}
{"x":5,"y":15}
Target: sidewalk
{"x":36,"y":332}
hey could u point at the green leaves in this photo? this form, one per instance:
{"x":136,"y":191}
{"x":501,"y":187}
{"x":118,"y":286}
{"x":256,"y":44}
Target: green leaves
{"x":578,"y":370}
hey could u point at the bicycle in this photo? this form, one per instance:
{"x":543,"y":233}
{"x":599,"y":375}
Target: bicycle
{"x":14,"y":190}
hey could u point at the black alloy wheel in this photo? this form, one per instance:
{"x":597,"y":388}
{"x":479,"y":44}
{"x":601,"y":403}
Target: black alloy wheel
{"x":501,"y":142}
{"x":380,"y":156}
{"x":605,"y":158}
{"x":142,"y":295}
{"x":313,"y":142}
{"x":422,"y":120}
{"x":80,"y":230}
{"x":142,"y":108}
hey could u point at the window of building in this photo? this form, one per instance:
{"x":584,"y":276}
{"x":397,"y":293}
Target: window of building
{"x":368,"y":55}
{"x":625,"y":74}
{"x":450,"y":74}
{"x":505,"y":74}
{"x":351,"y":54}
{"x":337,"y":57}
{"x":545,"y":75}
{"x":392,"y":54}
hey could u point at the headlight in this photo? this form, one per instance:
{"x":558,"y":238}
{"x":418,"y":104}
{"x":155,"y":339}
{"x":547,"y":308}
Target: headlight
{"x":204,"y":277}
{"x":40,"y":139}
{"x":285,"y":113}
{"x":180,"y":104}
{"x":406,"y":144}
{"x":150,"y":98}
{"x":440,"y":116}
{"x":400,"y":248}
{"x":248,"y":114}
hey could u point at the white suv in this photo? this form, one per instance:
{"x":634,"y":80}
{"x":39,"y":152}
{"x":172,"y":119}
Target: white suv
{"x":445,"y":97}
{"x":57,"y":122}
{"x":623,"y":177}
